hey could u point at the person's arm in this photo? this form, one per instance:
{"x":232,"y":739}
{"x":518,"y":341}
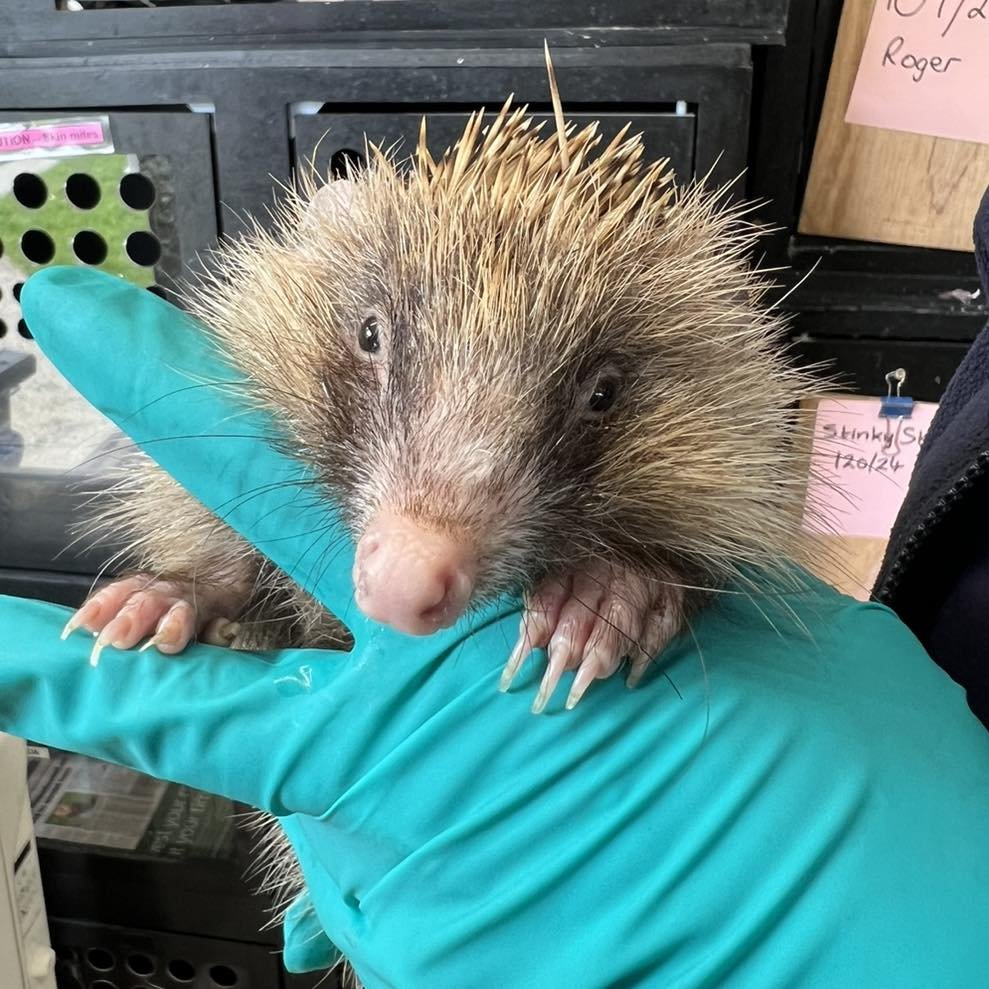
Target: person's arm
{"x":235,"y":724}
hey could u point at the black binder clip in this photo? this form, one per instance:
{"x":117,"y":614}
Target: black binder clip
{"x":895,"y":406}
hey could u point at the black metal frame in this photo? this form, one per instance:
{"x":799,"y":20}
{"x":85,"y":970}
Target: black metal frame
{"x":39,"y":505}
{"x":15,"y":368}
{"x":318,"y":137}
{"x":250,"y":94}
{"x":35,"y":27}
{"x":176,"y":145}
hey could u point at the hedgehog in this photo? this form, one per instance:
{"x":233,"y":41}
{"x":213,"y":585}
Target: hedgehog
{"x":535,"y":363}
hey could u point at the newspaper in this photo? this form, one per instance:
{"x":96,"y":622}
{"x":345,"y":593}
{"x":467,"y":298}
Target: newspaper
{"x":87,"y":802}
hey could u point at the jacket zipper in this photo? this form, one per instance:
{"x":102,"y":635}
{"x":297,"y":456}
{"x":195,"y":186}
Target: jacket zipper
{"x":920,"y":534}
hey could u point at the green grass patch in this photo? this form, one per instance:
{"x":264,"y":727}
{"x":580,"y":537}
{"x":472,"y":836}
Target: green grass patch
{"x":111,"y":218}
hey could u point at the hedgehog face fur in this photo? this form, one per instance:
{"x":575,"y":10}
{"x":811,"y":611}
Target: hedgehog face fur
{"x":555,"y":363}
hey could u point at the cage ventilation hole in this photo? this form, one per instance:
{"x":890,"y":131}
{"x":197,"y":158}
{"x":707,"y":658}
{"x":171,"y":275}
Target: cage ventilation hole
{"x":82,"y":190}
{"x":180,"y":970}
{"x":3,"y":329}
{"x":37,"y":246}
{"x":89,"y":247}
{"x":101,"y":960}
{"x":23,"y":330}
{"x":137,"y":191}
{"x":223,"y":976}
{"x":143,"y":248}
{"x":30,"y":190}
{"x":17,"y":291}
{"x":343,"y":158}
{"x":140,"y":965}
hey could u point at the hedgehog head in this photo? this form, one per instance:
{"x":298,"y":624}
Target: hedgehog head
{"x":539,"y":346}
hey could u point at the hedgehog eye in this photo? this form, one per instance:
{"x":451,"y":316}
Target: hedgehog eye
{"x":601,"y":395}
{"x":604,"y":395}
{"x":369,"y":335}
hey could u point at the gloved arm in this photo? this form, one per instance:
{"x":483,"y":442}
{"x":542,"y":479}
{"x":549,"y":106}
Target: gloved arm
{"x":779,"y":819}
{"x":233,"y":724}
{"x":152,"y":370}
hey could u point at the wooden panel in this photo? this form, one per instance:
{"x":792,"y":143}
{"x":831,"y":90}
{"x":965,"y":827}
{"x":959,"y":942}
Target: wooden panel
{"x":850,"y":564}
{"x":866,"y":183}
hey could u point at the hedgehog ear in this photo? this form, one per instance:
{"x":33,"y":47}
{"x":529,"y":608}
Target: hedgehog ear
{"x":332,"y":202}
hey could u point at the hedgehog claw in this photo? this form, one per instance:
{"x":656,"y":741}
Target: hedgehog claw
{"x":559,"y":657}
{"x":586,"y":675}
{"x":592,"y":622}
{"x":595,"y":621}
{"x":221,"y":632}
{"x":515,"y":660}
{"x":639,"y":666}
{"x":542,"y":612}
{"x":98,"y":646}
{"x":658,"y":631}
{"x":70,"y":626}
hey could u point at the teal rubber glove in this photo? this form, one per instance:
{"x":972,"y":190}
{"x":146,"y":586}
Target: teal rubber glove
{"x":803,"y":810}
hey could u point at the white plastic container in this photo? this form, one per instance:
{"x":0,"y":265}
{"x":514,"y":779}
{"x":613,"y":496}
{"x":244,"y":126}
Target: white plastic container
{"x":26,"y":958}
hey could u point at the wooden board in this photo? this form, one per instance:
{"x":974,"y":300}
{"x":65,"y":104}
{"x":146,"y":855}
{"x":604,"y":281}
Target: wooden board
{"x":849,"y":563}
{"x":866,"y":183}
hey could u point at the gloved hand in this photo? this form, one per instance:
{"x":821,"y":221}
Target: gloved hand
{"x":802,"y":802}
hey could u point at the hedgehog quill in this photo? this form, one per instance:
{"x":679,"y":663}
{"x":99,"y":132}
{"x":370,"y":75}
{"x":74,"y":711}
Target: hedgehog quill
{"x":532,"y":363}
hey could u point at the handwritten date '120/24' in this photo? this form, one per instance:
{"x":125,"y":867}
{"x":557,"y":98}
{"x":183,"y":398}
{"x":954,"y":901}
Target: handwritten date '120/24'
{"x":878,"y":463}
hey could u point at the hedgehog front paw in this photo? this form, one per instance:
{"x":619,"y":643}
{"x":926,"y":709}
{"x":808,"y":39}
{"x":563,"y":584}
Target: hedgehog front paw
{"x":593,"y":621}
{"x":172,"y":613}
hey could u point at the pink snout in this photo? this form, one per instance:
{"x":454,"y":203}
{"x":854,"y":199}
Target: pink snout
{"x":416,"y":580}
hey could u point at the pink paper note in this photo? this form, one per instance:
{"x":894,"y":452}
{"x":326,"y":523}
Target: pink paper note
{"x":925,"y":69}
{"x":52,"y":136}
{"x":861,"y":466}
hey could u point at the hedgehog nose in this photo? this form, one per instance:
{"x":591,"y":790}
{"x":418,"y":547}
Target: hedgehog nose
{"x":416,"y":580}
